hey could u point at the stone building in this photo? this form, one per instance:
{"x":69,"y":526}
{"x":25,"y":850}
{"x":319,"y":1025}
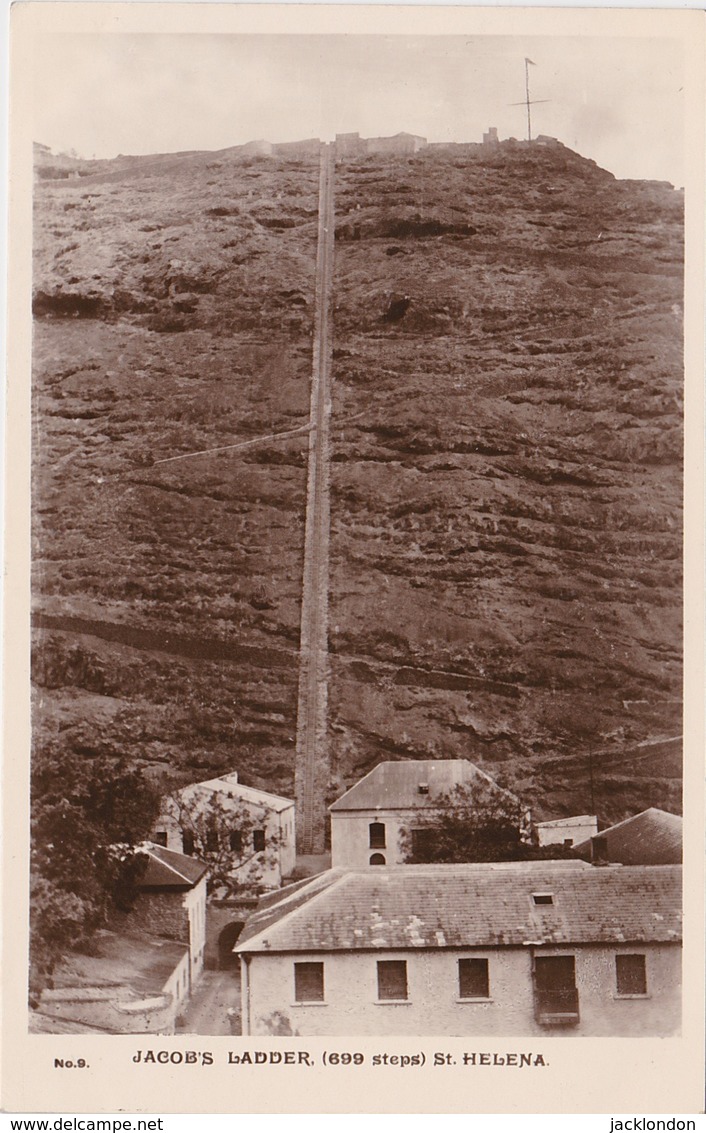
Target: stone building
{"x":270,"y":816}
{"x":518,"y":948}
{"x":367,"y":823}
{"x":144,"y":964}
{"x":171,"y":903}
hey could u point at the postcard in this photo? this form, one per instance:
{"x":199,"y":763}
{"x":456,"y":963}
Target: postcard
{"x":354,"y":560}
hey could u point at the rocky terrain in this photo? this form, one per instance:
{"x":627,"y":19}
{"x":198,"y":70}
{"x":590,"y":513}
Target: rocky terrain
{"x":506,"y":476}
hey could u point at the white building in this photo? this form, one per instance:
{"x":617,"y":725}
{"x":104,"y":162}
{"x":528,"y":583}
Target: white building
{"x":513,"y":948}
{"x":567,"y":831}
{"x":269,"y":820}
{"x":367,"y":822}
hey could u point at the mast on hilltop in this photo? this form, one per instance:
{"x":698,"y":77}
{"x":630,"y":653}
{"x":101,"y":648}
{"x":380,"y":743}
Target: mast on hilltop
{"x":528,"y":102}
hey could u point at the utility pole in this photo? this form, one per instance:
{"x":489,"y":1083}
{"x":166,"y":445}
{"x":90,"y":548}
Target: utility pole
{"x":529,"y":121}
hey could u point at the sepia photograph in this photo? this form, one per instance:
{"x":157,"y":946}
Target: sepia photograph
{"x":355,"y":411}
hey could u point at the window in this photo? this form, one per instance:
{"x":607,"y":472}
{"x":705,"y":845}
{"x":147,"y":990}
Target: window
{"x":543,"y":898}
{"x":631,"y":974}
{"x":422,"y":842}
{"x":212,"y":841}
{"x":392,"y":979}
{"x":187,"y":841}
{"x":309,"y":983}
{"x":236,"y":841}
{"x":258,"y":840}
{"x":473,"y":979}
{"x":377,"y":835}
{"x":160,"y":837}
{"x":377,"y":859}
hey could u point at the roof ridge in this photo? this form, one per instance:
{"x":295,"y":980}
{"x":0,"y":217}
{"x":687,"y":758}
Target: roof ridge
{"x":323,"y":891}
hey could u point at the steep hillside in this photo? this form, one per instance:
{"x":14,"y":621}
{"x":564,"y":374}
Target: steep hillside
{"x":506,"y":479}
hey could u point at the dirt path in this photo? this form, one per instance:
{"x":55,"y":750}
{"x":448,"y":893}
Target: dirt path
{"x":207,"y":1013}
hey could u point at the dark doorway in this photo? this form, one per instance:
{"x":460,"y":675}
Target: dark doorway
{"x":226,"y":942}
{"x":556,"y":995}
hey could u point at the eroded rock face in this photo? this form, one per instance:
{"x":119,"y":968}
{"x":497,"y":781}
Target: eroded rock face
{"x":506,"y":466}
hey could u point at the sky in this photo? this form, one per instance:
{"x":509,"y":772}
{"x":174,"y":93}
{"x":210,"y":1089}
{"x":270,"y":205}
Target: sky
{"x":618,"y":101}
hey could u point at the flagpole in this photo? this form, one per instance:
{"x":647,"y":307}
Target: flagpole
{"x":529,"y":124}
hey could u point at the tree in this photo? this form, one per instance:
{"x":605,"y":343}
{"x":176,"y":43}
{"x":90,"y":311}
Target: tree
{"x":476,"y":822}
{"x":231,"y":837}
{"x":87,"y":817}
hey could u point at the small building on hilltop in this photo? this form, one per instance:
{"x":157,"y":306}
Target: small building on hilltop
{"x":512,"y":948}
{"x":350,"y":145}
{"x":566,"y":831}
{"x":401,"y":143}
{"x":367,"y":823}
{"x":653,"y":837}
{"x":254,"y":828}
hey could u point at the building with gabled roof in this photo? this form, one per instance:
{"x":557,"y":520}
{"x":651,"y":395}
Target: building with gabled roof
{"x":171,"y":903}
{"x":512,"y":948}
{"x":566,"y":831}
{"x":146,"y":961}
{"x":368,"y":821}
{"x":271,"y":817}
{"x":653,"y":837}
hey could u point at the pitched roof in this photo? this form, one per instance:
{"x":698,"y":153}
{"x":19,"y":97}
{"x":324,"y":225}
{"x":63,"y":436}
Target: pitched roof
{"x":559,"y":822}
{"x":653,"y":837}
{"x":395,"y":784}
{"x":467,"y":906}
{"x":167,"y":869}
{"x":229,"y":785}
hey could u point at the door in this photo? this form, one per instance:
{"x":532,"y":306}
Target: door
{"x":556,"y":995}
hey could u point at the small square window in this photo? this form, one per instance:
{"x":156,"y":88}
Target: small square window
{"x":309,"y":983}
{"x":160,"y":838}
{"x":473,"y":979}
{"x":392,"y":979}
{"x":543,"y":898}
{"x":631,"y":974}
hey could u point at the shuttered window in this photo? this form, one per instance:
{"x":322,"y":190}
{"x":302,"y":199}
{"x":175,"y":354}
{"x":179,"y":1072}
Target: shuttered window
{"x":309,"y":983}
{"x":631,"y":974}
{"x":473,"y":979}
{"x":392,"y":979}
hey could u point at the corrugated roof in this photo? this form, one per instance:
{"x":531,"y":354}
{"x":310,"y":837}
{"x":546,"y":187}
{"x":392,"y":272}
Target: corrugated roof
{"x":653,"y":837}
{"x":395,"y":784}
{"x":465,"y":906}
{"x":167,"y":869}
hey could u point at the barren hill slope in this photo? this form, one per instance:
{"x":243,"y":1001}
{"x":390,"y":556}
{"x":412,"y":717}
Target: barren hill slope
{"x":506,"y":479}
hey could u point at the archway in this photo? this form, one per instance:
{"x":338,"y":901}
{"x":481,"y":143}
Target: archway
{"x":227,"y":940}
